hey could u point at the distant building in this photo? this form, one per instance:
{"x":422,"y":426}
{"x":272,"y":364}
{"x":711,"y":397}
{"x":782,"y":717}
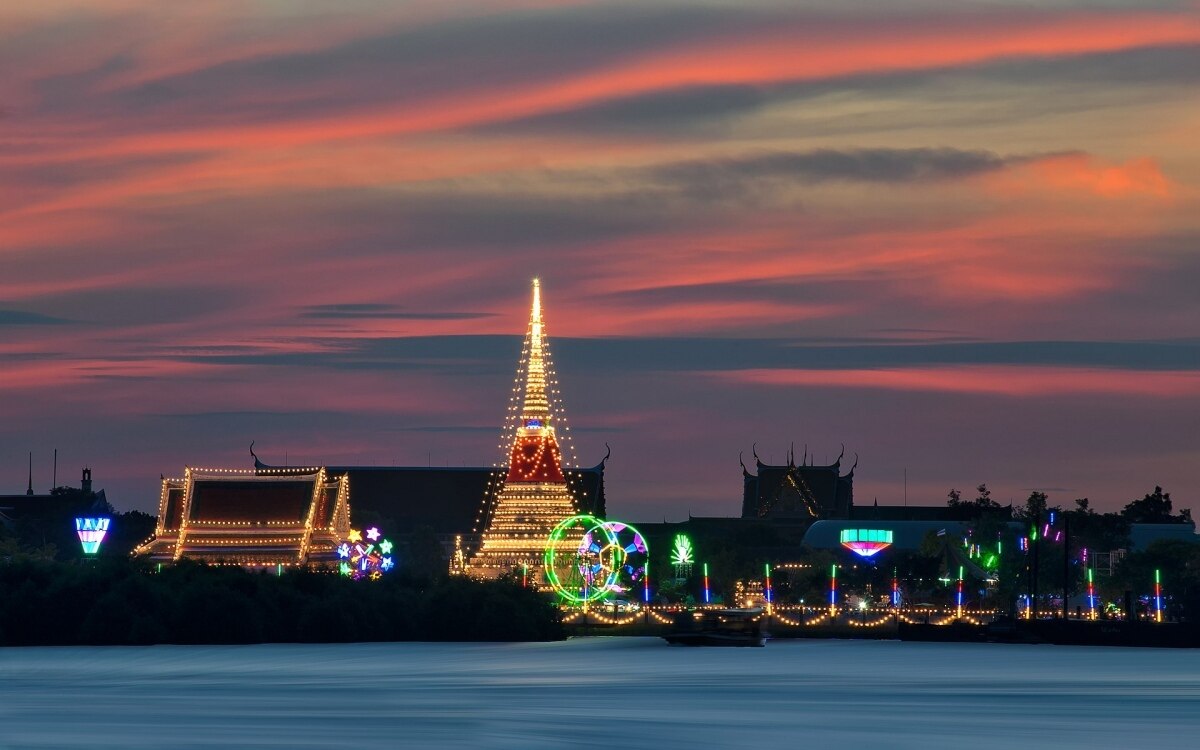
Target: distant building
{"x":792,"y":491}
{"x":61,"y":501}
{"x":450,"y":500}
{"x":293,"y":517}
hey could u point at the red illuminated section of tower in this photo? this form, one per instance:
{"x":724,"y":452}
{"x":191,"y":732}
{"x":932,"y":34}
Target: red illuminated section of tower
{"x":535,"y":455}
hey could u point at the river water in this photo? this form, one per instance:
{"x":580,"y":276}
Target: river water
{"x":600,"y":692}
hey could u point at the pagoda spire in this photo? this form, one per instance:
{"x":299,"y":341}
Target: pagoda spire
{"x":534,"y":497}
{"x":535,"y":455}
{"x":536,"y":405}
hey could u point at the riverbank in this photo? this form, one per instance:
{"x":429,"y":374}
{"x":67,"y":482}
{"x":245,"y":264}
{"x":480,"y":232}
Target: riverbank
{"x":127,"y":602}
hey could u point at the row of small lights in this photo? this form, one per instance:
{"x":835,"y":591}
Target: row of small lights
{"x":321,"y":486}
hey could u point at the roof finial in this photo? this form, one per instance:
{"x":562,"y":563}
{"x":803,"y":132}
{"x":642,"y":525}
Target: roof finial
{"x":754,"y":452}
{"x":745,"y":471}
{"x":838,"y":462}
{"x":607,"y":453}
{"x":805,"y":461}
{"x":537,"y":404}
{"x":792,"y":454}
{"x":30,"y":490}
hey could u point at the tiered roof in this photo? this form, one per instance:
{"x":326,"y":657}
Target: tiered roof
{"x":797,"y":491}
{"x":292,"y":517}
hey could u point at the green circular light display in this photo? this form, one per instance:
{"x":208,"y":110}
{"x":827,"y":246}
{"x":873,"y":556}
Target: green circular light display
{"x":583,"y":559}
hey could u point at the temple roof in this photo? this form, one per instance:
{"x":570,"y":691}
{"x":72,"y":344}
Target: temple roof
{"x":797,"y":490}
{"x":252,"y":499}
{"x":447,"y":499}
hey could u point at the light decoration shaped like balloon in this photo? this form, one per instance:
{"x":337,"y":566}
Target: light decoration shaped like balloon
{"x":91,"y":533}
{"x":866,"y":542}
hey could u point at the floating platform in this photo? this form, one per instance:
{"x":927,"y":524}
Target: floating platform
{"x":719,"y":627}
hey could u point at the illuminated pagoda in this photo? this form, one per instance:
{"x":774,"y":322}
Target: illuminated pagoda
{"x":288,"y":518}
{"x":535,"y":496}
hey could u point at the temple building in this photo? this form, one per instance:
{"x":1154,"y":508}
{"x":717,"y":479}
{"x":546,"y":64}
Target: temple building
{"x":792,"y":491}
{"x":442,"y":499}
{"x":535,"y":495}
{"x":290,"y":517}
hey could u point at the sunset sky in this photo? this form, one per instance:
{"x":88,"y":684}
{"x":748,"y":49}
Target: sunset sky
{"x":963,"y":239}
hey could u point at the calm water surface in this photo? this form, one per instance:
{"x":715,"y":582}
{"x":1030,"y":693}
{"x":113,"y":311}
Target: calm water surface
{"x":600,"y":692}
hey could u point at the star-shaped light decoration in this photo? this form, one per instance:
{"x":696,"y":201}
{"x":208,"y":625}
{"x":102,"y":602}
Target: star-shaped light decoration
{"x":359,"y":558}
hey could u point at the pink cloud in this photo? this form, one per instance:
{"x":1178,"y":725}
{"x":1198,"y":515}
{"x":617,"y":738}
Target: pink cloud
{"x":1008,"y":381}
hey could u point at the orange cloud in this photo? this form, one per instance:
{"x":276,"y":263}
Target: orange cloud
{"x":1085,"y":174}
{"x":793,"y":53}
{"x":1012,"y":381}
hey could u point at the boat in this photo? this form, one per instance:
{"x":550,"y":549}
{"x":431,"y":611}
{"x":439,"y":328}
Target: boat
{"x":719,"y":627}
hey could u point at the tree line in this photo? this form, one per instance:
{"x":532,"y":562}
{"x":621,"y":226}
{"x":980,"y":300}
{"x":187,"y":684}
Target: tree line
{"x":115,"y":601}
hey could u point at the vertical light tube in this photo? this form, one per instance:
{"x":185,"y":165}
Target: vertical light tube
{"x":1091,"y":596}
{"x":646,"y":581}
{"x":767,"y":590}
{"x":833,"y":591}
{"x":706,"y":596}
{"x":895,"y":589}
{"x":1158,"y":607}
{"x":525,"y":575}
{"x":960,"y":591}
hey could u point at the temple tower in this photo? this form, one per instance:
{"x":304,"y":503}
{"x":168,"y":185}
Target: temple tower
{"x":534,"y":497}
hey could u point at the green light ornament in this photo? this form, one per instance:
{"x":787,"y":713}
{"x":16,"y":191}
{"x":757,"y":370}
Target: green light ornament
{"x":583,"y":559}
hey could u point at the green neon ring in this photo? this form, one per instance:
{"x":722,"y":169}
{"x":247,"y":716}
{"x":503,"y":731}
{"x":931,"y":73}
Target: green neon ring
{"x":589,"y":524}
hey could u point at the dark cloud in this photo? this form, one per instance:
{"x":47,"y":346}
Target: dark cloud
{"x":359,"y":311}
{"x":24,"y":318}
{"x":670,"y":110}
{"x":864,"y":165}
{"x":463,"y":54}
{"x":1065,"y":83}
{"x":486,"y":354}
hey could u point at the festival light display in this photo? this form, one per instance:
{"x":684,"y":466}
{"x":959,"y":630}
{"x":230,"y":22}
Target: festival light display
{"x":366,"y":555}
{"x":959,"y":597}
{"x":1158,"y":602}
{"x":833,"y":591}
{"x":534,"y":496}
{"x":581,"y":559}
{"x":587,"y":559}
{"x":707,"y":598}
{"x":767,"y":585}
{"x":895,"y":588}
{"x":866,"y":542}
{"x":682,"y":556}
{"x":1091,"y":595}
{"x":91,"y":533}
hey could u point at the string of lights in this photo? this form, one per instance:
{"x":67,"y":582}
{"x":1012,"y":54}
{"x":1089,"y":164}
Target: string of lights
{"x":525,"y":504}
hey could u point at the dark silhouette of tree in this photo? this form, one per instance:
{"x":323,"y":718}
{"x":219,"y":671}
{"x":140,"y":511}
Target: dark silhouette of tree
{"x":1155,"y":507}
{"x":954,"y":499}
{"x":984,"y":500}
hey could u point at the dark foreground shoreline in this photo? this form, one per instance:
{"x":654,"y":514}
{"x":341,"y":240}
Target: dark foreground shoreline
{"x":119,"y":602}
